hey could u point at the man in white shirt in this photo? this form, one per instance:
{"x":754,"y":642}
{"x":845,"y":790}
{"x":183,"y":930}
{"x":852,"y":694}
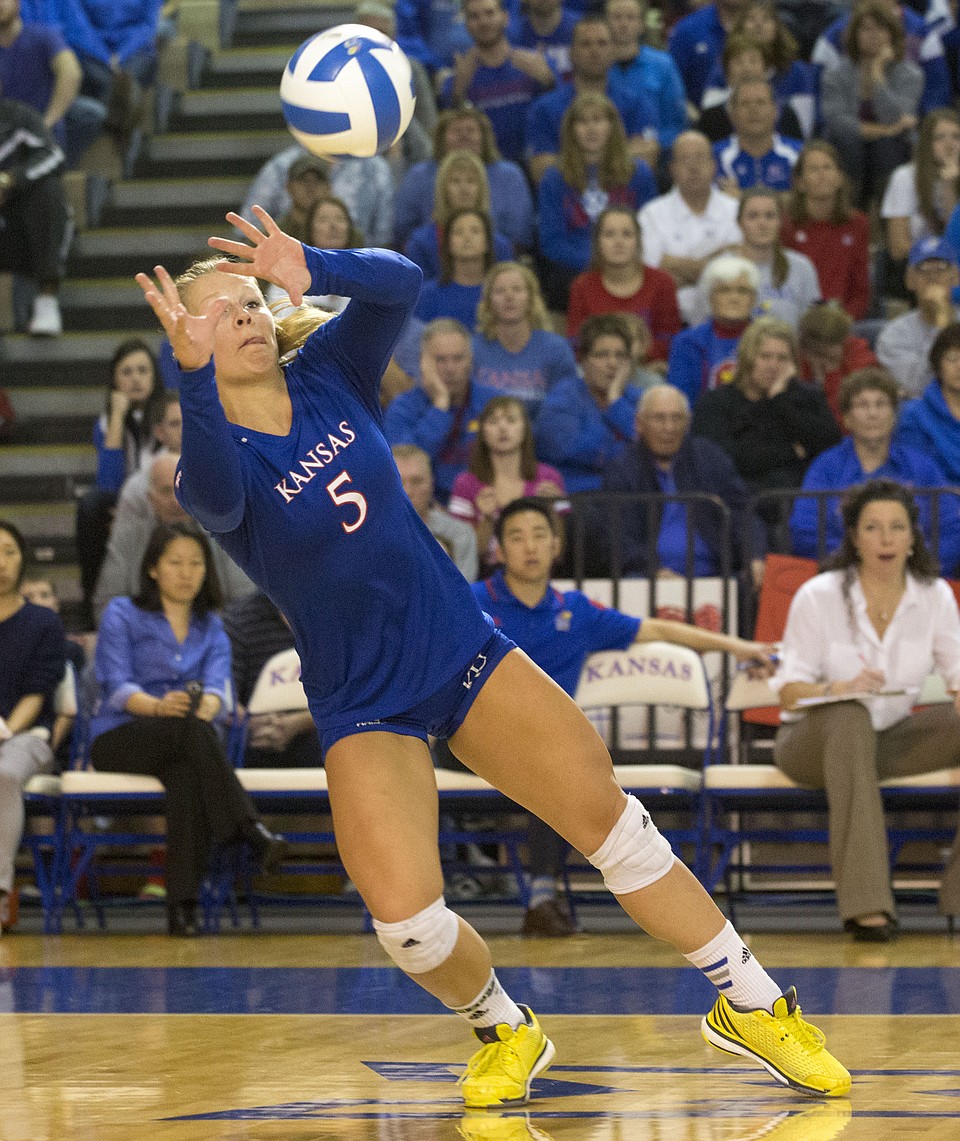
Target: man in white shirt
{"x":684,"y":229}
{"x":904,"y":344}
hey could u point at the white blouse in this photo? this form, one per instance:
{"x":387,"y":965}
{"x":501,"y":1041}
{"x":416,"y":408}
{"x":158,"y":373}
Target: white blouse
{"x":822,"y":644}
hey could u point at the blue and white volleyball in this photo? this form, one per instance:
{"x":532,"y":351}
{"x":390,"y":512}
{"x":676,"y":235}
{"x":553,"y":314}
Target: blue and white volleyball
{"x":347,"y":91}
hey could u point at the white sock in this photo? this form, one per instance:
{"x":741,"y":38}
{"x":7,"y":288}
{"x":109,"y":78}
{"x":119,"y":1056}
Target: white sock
{"x":490,"y":1008}
{"x":733,"y":970}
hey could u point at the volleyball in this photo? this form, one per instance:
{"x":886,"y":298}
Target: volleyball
{"x":347,"y":91}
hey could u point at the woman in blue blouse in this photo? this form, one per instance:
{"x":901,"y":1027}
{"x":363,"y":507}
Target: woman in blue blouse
{"x":163,"y":666}
{"x":594,"y":170}
{"x":122,"y":437}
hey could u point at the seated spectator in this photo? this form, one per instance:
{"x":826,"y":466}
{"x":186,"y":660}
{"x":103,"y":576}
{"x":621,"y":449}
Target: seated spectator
{"x":511,"y":203}
{"x":644,"y":373}
{"x":870,"y":99}
{"x":754,"y":155}
{"x":431,"y":31}
{"x":130,"y":536}
{"x":515,"y":351}
{"x":124,"y":441}
{"x":586,"y":421}
{"x":744,"y":58}
{"x":33,"y":653}
{"x":878,"y":620}
{"x":456,"y":537}
{"x":440,"y":414}
{"x":134,"y":499}
{"x":308,"y":179}
{"x":37,"y":67}
{"x":287,"y":739}
{"x":41,"y":592}
{"x":704,"y":356}
{"x":921,"y":195}
{"x":931,"y":423}
{"x":328,"y":227}
{"x":116,"y":45}
{"x":546,"y":27}
{"x":904,"y":344}
{"x":591,"y":58}
{"x":640,"y":67}
{"x":794,"y":81}
{"x":666,"y":460}
{"x":696,"y":43}
{"x":461,"y":184}
{"x":788,"y":280}
{"x":364,"y":184}
{"x":559,"y":631}
{"x":595,"y":169}
{"x":496,"y":78}
{"x":820,"y":223}
{"x":618,"y":282}
{"x":35,"y":225}
{"x":829,"y":352}
{"x":162,"y":664}
{"x":466,"y":255}
{"x":685,"y":228}
{"x":869,"y":401}
{"x":767,"y":422}
{"x":503,"y":467}
{"x":923,"y":46}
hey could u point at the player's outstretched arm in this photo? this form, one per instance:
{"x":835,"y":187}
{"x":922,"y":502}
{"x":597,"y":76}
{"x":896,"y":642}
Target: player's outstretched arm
{"x":271,"y":255}
{"x":191,"y":335}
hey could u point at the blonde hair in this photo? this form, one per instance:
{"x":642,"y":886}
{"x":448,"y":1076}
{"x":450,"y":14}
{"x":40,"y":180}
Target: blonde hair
{"x":292,"y":329}
{"x":616,"y":164}
{"x":490,"y":153}
{"x":536,"y":309}
{"x":762,"y":329}
{"x":459,"y":160}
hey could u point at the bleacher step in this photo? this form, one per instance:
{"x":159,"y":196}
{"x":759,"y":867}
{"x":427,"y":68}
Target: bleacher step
{"x":75,"y":359}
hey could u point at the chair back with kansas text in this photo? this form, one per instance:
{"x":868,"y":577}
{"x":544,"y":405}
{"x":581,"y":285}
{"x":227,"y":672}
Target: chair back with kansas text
{"x":278,"y":688}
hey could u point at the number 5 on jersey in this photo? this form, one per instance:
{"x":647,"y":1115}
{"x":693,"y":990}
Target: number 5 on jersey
{"x":347,"y":498}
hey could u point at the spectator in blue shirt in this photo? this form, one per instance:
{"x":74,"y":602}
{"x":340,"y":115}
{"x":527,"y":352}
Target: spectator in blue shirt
{"x":495,"y":77}
{"x":431,"y":31}
{"x":559,"y":631}
{"x":461,"y":184}
{"x":163,"y":669}
{"x":755,"y":155}
{"x":545,"y":26}
{"x":696,"y":43}
{"x":511,"y":203}
{"x":515,"y":350}
{"x":440,"y":414}
{"x":591,"y":55}
{"x":466,"y":254}
{"x":595,"y":170}
{"x":869,"y":400}
{"x":639,"y":67}
{"x":587,"y":421}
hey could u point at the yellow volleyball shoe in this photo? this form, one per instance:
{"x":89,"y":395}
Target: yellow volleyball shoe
{"x":500,"y":1072}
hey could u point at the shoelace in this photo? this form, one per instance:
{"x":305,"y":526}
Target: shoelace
{"x":491,"y":1056}
{"x":804,"y":1033}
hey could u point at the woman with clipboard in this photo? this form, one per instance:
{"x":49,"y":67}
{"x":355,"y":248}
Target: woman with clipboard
{"x":861,"y":639}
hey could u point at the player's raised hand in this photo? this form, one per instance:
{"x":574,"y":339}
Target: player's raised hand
{"x":271,"y":255}
{"x":191,"y":335}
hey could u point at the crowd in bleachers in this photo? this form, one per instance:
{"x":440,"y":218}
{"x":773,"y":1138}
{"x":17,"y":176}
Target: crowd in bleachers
{"x":662,"y":250}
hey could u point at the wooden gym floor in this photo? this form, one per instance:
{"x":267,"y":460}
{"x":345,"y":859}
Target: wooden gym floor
{"x":295,"y":1037}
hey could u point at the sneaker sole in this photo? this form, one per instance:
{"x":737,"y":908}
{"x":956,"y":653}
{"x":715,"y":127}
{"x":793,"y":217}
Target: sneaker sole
{"x":543,"y":1062}
{"x":721,"y":1042}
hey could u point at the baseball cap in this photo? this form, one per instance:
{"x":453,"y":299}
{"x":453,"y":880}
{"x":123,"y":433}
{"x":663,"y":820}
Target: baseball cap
{"x":309,"y":164}
{"x":932,"y":249}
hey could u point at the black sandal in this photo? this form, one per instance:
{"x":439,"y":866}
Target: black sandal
{"x":871,"y":932}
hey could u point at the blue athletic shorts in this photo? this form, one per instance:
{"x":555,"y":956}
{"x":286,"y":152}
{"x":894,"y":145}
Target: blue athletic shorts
{"x":440,"y":715}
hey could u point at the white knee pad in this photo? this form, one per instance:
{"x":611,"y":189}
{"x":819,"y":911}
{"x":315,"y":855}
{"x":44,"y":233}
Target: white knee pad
{"x":423,"y":941}
{"x":635,"y":854}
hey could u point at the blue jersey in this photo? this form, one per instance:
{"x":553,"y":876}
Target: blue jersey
{"x":774,"y":169}
{"x":560,"y":632}
{"x":319,"y":519}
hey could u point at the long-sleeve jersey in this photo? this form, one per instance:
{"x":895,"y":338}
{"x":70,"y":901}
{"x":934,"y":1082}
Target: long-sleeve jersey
{"x":318,"y":518}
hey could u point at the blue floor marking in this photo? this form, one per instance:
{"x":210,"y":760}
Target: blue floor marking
{"x":385,"y":990}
